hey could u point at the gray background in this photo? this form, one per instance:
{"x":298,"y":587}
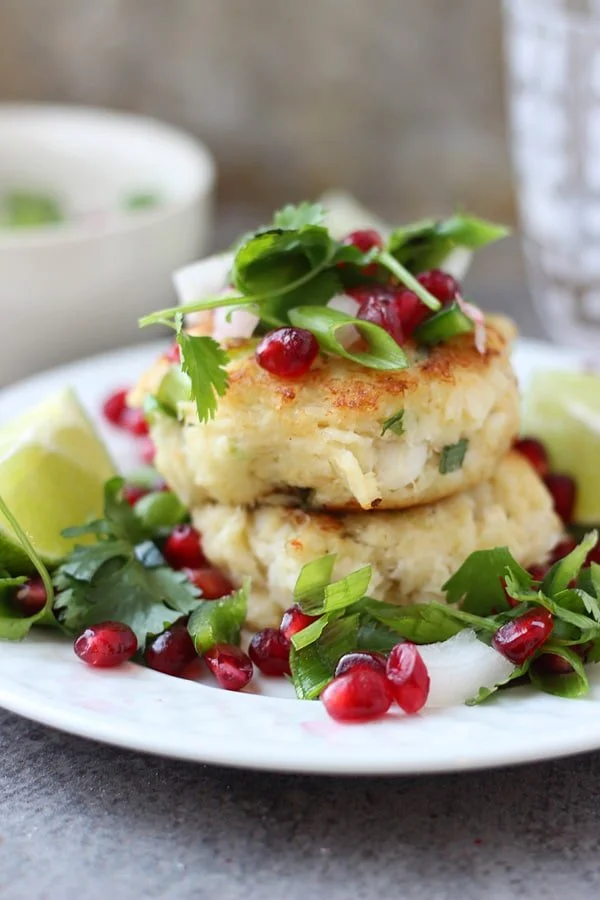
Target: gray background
{"x":399,"y":101}
{"x":78,"y":820}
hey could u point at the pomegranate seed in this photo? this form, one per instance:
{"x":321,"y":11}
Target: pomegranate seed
{"x":519,"y":639}
{"x":411,"y":309}
{"x":378,"y":307}
{"x":171,"y":651}
{"x":114,"y":406}
{"x":30,"y":597}
{"x":563,"y":549}
{"x":173,"y":354}
{"x":270,"y":651}
{"x":361,"y":658}
{"x":211,"y":582}
{"x":563,"y":490}
{"x":534,"y":451}
{"x":442,"y":285}
{"x":287,"y":352}
{"x":294,"y":620}
{"x":364,"y":239}
{"x":147,"y":450}
{"x":183,"y":548}
{"x":106,"y":644}
{"x":361,"y":695}
{"x":134,"y":422}
{"x":408,"y":677}
{"x":553,"y":664}
{"x":133,"y":492}
{"x":231,"y":666}
{"x":538,"y":573}
{"x":398,"y":310}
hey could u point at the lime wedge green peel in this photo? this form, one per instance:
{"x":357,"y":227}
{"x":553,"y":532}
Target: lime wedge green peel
{"x":53,"y":467}
{"x":562,"y":409}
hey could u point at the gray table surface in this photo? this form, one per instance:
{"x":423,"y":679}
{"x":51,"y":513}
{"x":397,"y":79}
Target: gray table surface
{"x":80,"y":820}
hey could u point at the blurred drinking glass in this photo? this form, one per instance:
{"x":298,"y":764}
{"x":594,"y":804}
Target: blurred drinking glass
{"x":553,"y":62}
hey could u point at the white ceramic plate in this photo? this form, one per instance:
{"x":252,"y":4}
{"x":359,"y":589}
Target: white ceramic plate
{"x":268,"y":729}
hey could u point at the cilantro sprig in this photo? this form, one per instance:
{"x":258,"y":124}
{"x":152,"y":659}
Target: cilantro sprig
{"x":121,"y":577}
{"x":288,"y":271}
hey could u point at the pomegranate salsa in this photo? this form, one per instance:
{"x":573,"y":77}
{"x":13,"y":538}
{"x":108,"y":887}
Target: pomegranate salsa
{"x":143,"y":590}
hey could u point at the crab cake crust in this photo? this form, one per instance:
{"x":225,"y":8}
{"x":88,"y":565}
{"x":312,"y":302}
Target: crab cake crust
{"x":412,"y":552}
{"x":318,"y":440}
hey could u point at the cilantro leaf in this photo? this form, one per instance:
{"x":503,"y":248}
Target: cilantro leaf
{"x":395,"y":424}
{"x":204,"y":361}
{"x":567,"y":569}
{"x":478,"y":582}
{"x":427,"y":623}
{"x":485,"y":692}
{"x":84,"y":562}
{"x":426,"y":244}
{"x":452,"y":456}
{"x":275,"y":312}
{"x":219,"y":621}
{"x":276,"y":262}
{"x":570,"y":685}
{"x":293,"y":217}
{"x":122,"y":590}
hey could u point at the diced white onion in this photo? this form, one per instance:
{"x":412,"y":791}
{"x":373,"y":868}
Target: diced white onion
{"x":460,"y":666}
{"x":457,"y":262}
{"x":478,"y":319}
{"x":344,"y":303}
{"x":242,"y":323}
{"x":205,"y":278}
{"x":347,"y":335}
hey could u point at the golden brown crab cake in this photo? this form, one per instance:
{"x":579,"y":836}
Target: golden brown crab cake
{"x":320,"y":440}
{"x":412,"y":552}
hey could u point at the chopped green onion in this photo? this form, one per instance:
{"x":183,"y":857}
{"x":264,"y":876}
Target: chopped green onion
{"x":452,"y":456}
{"x":314,"y":577}
{"x":446,"y":324}
{"x":324,"y":322}
{"x":395,"y":424}
{"x":310,"y":675}
{"x":175,"y":388}
{"x":406,"y":278}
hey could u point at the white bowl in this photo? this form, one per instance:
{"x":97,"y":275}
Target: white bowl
{"x":71,"y":289}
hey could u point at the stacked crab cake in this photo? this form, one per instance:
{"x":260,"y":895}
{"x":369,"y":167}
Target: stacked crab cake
{"x":409,"y":470}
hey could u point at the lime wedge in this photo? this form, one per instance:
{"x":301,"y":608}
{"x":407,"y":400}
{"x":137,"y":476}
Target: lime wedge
{"x":52,"y":470}
{"x":562,"y":409}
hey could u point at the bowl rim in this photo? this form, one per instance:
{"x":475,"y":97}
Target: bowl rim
{"x":70,"y":233}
